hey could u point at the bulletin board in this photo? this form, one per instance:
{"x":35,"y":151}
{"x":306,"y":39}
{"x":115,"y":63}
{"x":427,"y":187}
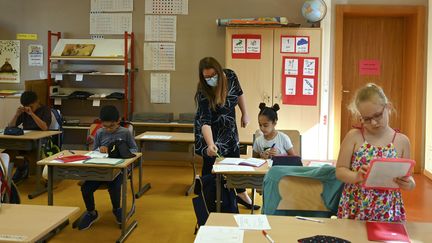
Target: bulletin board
{"x":300,"y":80}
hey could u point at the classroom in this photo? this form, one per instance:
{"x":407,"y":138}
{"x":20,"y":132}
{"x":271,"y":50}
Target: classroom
{"x":215,"y":121}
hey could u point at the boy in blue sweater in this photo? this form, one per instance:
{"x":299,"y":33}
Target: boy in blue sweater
{"x":110,"y":132}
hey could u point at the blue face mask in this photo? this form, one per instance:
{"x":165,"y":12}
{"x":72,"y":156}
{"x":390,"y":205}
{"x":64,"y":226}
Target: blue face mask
{"x":212,"y":81}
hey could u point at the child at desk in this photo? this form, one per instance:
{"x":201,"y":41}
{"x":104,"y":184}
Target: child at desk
{"x":110,"y":132}
{"x":374,"y":139}
{"x":272,"y":142}
{"x":32,"y":116}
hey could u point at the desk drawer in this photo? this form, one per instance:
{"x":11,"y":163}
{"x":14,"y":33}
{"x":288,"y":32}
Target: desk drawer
{"x":16,"y":144}
{"x":85,"y":173}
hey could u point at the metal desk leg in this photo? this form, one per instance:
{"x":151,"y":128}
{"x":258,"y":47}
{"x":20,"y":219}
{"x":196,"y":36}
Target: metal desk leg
{"x":253,"y":200}
{"x":218,"y":192}
{"x":50,"y":185}
{"x":125,"y":232}
{"x":39,"y":188}
{"x":141,"y":189}
{"x":192,"y":186}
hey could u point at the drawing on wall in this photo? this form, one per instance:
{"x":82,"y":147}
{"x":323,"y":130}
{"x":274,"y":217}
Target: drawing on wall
{"x":9,"y":61}
{"x":83,"y":50}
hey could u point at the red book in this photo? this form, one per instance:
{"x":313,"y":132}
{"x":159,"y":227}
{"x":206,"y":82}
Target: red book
{"x":72,"y":158}
{"x":383,"y":231}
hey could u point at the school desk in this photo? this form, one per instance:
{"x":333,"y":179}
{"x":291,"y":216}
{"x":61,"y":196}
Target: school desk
{"x":32,"y":223}
{"x":30,"y":141}
{"x":290,"y":229}
{"x":141,"y":127}
{"x":173,"y":137}
{"x":99,"y":172}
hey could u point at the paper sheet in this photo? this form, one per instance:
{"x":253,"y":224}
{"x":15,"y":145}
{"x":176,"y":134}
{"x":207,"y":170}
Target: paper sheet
{"x":97,"y":154}
{"x":308,"y":86}
{"x":291,"y":66}
{"x":237,"y":161}
{"x":290,"y":85}
{"x":218,"y":234}
{"x":160,"y":88}
{"x":104,"y":161}
{"x":111,"y":5}
{"x":381,"y":174}
{"x":159,"y":56}
{"x":228,"y":168}
{"x":156,"y":137}
{"x":160,"y":28}
{"x":96,"y":102}
{"x":287,"y":44}
{"x":79,"y":77}
{"x":12,"y":238}
{"x":252,"y":222}
{"x":35,"y":55}
{"x":110,"y":23}
{"x":166,"y":7}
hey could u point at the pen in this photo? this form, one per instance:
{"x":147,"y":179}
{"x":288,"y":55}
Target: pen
{"x":267,"y":236}
{"x":309,"y":219}
{"x":271,"y":147}
{"x":72,"y":152}
{"x":218,"y":155}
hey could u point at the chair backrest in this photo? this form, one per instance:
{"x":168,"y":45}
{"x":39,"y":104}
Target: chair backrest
{"x":5,"y":159}
{"x":294,"y":135}
{"x":300,"y":193}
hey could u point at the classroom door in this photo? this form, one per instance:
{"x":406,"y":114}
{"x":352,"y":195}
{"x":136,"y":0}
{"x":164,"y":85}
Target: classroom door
{"x":384,"y":45}
{"x":373,"y":52}
{"x":255,"y":75}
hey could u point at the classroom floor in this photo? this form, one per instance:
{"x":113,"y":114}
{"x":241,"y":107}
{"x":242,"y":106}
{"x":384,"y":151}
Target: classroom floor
{"x":164,"y":214}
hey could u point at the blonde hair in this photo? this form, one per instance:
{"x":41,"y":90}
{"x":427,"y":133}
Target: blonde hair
{"x":369,"y":92}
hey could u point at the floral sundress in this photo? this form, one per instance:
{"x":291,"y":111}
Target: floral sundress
{"x":371,"y":204}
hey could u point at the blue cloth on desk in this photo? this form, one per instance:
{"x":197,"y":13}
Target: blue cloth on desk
{"x":332,"y":187}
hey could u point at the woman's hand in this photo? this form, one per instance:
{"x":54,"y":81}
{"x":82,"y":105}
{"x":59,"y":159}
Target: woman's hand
{"x":212,"y":150}
{"x":244,"y":120}
{"x":405,"y":182}
{"x":361,"y":173}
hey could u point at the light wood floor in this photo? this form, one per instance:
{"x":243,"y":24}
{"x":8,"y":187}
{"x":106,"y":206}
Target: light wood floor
{"x":164,"y":214}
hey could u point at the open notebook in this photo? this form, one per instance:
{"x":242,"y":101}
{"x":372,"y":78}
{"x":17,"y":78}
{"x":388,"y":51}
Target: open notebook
{"x":240,"y":161}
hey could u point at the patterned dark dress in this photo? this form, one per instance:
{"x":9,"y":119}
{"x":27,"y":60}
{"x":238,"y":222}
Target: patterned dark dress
{"x":222,"y":120}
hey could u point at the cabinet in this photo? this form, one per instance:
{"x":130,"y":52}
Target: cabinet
{"x":261,"y":81}
{"x":100,"y":66}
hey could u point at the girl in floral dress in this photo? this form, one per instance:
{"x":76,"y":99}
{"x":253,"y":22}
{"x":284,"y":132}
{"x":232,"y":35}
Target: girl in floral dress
{"x":374,"y":139}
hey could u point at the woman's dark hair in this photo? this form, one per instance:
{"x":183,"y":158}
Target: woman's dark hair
{"x":28,"y":98}
{"x":215,"y":95}
{"x":269,"y":112}
{"x":109,"y":113}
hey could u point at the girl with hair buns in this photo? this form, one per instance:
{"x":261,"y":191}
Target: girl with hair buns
{"x":374,"y":139}
{"x":272,"y":142}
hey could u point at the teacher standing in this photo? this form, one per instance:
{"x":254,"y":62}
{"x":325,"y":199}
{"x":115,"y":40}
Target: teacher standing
{"x":218,"y":93}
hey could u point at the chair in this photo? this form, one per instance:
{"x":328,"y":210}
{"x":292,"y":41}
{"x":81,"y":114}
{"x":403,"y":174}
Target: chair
{"x":303,"y":191}
{"x":6,"y":167}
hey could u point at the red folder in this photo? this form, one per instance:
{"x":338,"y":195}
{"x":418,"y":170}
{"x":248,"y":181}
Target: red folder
{"x":383,"y":231}
{"x":73,"y":158}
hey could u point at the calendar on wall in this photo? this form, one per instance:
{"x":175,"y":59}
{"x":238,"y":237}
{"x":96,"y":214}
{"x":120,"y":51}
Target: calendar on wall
{"x":166,"y":7}
{"x":159,"y":56}
{"x":160,"y":88}
{"x":111,"y":6}
{"x":160,"y":28}
{"x":110,"y":23}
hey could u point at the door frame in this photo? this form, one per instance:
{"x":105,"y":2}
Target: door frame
{"x":413,"y":105}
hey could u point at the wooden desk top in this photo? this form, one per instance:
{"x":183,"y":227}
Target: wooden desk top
{"x":181,"y":137}
{"x":161,"y":124}
{"x":262,"y":170}
{"x":31,"y":222}
{"x":290,"y":229}
{"x":49,"y":160}
{"x":31,"y":135}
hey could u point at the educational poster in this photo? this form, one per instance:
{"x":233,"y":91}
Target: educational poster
{"x":9,"y":61}
{"x":300,"y":81}
{"x":302,"y":45}
{"x":246,"y":46}
{"x":288,"y":44}
{"x":111,"y":6}
{"x":166,"y":7}
{"x":160,"y":88}
{"x":159,"y":56}
{"x":110,"y":23}
{"x":160,"y":28}
{"x":35,"y":55}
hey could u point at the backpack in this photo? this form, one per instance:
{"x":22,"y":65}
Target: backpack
{"x":205,"y":202}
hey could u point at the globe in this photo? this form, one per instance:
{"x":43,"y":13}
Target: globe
{"x":314,"y":10}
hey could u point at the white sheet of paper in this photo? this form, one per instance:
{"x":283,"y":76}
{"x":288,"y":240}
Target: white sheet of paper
{"x":291,"y":66}
{"x":309,"y":67}
{"x":302,"y":45}
{"x":159,"y":56}
{"x":111,"y":5}
{"x":110,"y":23}
{"x":156,"y":137}
{"x":308,"y":86}
{"x":58,"y":77}
{"x":227,"y":168}
{"x":218,"y":234}
{"x":252,"y":222}
{"x":12,"y":238}
{"x":383,"y":173}
{"x":290,"y":85}
{"x":160,"y":28}
{"x":237,"y":161}
{"x":57,"y":101}
{"x":288,"y":44}
{"x":253,"y":46}
{"x":79,"y":77}
{"x":239,"y":45}
{"x":96,"y":102}
{"x":97,"y":154}
{"x":166,"y":7}
{"x":160,"y":88}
